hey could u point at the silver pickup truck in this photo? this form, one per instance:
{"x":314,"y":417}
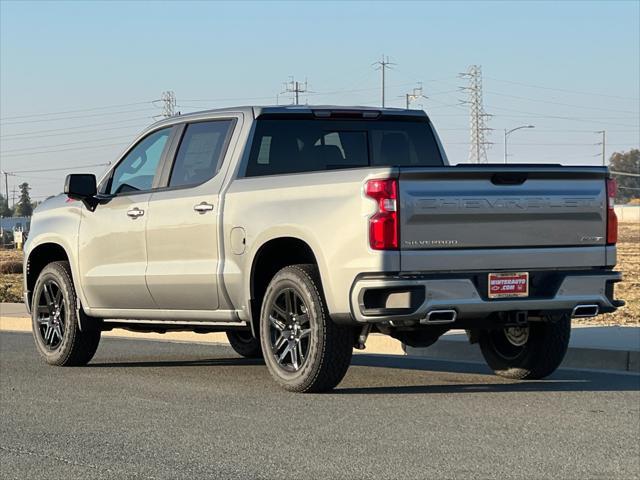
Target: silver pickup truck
{"x":298,"y":231}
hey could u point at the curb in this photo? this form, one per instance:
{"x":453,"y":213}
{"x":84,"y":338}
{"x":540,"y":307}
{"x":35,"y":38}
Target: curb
{"x":577,"y":357}
{"x":443,"y":349}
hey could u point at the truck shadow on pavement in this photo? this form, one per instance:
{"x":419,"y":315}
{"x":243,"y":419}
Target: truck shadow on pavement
{"x":563,"y":380}
{"x":456,"y":375}
{"x":205,"y":362}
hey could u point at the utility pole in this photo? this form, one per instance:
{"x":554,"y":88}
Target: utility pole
{"x":6,"y":187}
{"x":382,"y":65}
{"x":168,"y":99}
{"x":603,"y":143}
{"x":477,"y":121}
{"x":414,"y":95}
{"x":295,"y":87}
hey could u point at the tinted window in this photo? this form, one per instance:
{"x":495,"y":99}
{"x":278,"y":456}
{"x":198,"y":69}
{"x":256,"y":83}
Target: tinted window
{"x":136,"y":171}
{"x":200,"y":153}
{"x":304,"y":145}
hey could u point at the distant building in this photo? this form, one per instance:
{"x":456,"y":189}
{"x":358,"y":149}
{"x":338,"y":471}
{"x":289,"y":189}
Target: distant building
{"x":15,"y":223}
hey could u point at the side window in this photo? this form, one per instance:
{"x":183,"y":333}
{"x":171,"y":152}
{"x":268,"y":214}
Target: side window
{"x":200,"y":153}
{"x":137,"y":170}
{"x":293,"y":146}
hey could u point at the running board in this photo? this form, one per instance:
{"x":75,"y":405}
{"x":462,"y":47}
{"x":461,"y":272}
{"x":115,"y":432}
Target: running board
{"x":170,"y":323}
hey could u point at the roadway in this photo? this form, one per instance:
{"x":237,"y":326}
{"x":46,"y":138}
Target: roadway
{"x":148,"y":409}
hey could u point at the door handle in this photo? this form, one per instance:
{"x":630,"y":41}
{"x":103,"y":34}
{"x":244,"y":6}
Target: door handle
{"x":135,"y":213}
{"x":203,"y":207}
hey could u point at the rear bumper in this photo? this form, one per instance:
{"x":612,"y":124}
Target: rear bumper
{"x":378,"y":299}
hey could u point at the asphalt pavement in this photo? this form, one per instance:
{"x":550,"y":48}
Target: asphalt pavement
{"x":145,"y":409}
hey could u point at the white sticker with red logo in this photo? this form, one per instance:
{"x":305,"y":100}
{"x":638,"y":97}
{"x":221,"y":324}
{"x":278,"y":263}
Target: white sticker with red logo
{"x":502,"y":285}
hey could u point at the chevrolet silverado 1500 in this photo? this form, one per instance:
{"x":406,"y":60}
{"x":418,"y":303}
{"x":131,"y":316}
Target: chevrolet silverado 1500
{"x":300,"y":230}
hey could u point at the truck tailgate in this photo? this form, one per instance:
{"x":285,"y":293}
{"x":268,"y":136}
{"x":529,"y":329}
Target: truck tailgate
{"x":501,"y":206}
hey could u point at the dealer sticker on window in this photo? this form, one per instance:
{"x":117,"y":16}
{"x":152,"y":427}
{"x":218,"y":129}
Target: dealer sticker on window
{"x":505,"y":285}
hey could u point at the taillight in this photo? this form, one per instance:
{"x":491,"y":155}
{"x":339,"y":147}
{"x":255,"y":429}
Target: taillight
{"x":612,"y":219}
{"x":383,"y":225}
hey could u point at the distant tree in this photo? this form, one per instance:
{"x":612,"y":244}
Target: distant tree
{"x":5,"y":211}
{"x":628,"y":186}
{"x":24,"y":207}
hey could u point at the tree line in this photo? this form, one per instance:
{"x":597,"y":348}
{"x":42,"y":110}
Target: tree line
{"x":23,"y":208}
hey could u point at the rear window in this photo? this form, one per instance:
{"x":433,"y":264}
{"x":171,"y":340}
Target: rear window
{"x":200,"y":153}
{"x":306,"y":145}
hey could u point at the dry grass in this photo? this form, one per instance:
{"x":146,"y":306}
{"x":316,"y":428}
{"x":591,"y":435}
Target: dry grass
{"x":627,"y":290}
{"x":10,"y":283}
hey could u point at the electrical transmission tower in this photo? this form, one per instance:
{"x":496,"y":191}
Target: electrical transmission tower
{"x":382,"y":65}
{"x":296,"y":88}
{"x":479,"y":144}
{"x":168,"y":99}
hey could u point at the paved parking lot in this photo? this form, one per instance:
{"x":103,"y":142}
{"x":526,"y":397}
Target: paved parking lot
{"x":172,"y":410}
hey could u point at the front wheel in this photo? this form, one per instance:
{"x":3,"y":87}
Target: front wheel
{"x":305,"y":351}
{"x":528,"y":352}
{"x":54,"y":319}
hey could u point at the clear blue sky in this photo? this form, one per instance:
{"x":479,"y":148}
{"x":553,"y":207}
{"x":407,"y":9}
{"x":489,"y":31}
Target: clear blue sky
{"x":569,"y":68}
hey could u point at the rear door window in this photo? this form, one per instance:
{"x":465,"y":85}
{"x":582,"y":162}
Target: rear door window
{"x":293,"y":146}
{"x":200,"y":153}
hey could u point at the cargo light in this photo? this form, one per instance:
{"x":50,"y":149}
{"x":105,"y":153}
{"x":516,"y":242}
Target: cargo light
{"x":383,"y":225}
{"x":612,"y":218}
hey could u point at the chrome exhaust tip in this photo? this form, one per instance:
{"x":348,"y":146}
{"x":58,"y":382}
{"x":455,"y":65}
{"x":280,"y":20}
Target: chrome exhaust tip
{"x":440,"y":316}
{"x":584,"y":311}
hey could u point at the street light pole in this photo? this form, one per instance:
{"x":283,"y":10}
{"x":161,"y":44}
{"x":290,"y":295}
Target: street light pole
{"x":509,"y":132}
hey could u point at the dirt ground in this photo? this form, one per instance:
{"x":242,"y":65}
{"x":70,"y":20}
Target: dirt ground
{"x":628,"y":289}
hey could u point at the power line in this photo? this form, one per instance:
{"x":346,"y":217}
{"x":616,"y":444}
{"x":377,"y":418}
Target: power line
{"x":63,"y":150}
{"x":77,"y":111}
{"x":65,"y":129}
{"x":64,"y":144}
{"x":559,"y":117}
{"x":561,"y":104}
{"x":81,"y":132}
{"x":58,"y":169}
{"x":76,"y":116}
{"x":562,"y":89}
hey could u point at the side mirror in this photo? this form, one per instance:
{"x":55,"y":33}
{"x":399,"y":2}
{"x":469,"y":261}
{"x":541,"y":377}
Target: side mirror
{"x":82,"y":186}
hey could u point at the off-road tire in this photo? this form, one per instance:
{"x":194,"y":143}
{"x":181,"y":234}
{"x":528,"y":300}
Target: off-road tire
{"x":330,"y":345}
{"x":244,"y":344}
{"x":539,"y":357}
{"x":77,"y":347}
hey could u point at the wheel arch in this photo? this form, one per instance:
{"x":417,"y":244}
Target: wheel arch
{"x":39,"y":257}
{"x":273,"y":255}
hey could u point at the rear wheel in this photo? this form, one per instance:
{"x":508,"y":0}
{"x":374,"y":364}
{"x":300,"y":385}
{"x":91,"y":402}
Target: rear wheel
{"x":528,"y":352}
{"x":54,"y":319}
{"x":305,"y":351}
{"x":244,"y":343}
